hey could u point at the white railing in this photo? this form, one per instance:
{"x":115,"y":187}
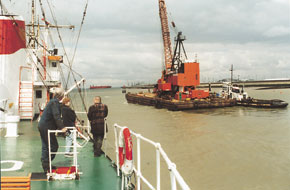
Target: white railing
{"x":74,"y":146}
{"x":174,"y":174}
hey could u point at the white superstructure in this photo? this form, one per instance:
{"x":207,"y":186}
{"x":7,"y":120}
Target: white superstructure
{"x":26,"y":72}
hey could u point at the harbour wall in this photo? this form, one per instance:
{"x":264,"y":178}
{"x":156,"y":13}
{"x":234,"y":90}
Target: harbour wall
{"x":265,"y":84}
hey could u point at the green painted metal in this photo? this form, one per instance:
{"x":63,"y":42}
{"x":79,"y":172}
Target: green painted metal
{"x":97,"y":172}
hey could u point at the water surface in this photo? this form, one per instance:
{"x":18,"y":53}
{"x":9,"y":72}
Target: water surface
{"x":219,"y":149}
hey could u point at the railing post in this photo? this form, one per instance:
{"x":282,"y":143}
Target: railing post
{"x":158,"y":166}
{"x":122,"y":187}
{"x":49,"y":151}
{"x":138,"y":163}
{"x":105,"y":136}
{"x":75,"y":149}
{"x":172,"y":177}
{"x":117,"y":149}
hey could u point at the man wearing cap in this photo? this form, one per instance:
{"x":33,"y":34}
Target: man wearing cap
{"x":50,"y":120}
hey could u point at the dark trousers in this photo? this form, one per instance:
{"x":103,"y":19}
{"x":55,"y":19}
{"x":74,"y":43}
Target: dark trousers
{"x":44,"y":149}
{"x":98,"y":141}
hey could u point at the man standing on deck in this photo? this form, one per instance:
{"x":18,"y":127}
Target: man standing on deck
{"x":97,"y":114}
{"x":50,"y":120}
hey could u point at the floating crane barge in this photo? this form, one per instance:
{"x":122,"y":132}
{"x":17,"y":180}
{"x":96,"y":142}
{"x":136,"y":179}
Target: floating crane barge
{"x":177,"y":87}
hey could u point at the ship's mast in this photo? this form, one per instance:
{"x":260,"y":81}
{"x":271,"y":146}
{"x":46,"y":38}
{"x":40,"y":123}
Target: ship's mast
{"x":232,"y":70}
{"x":32,"y":34}
{"x":165,"y":35}
{"x":47,"y":25}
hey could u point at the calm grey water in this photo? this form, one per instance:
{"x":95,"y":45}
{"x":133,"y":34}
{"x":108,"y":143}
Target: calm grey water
{"x":232,"y":148}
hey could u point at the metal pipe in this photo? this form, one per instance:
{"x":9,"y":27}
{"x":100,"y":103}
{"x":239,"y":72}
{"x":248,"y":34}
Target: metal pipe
{"x":158,"y":167}
{"x":75,"y":85}
{"x":117,"y":149}
{"x":180,"y":180}
{"x":105,"y":136}
{"x":147,"y":183}
{"x":122,"y":187}
{"x":75,"y":150}
{"x":139,"y":174}
{"x":49,"y":151}
{"x":172,"y":180}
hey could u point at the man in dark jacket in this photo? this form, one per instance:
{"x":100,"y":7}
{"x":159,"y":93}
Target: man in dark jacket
{"x":50,"y":120}
{"x":97,"y":114}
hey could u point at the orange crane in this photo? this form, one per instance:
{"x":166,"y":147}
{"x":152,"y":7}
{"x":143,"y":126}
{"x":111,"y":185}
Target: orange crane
{"x":165,"y":35}
{"x":179,"y":78}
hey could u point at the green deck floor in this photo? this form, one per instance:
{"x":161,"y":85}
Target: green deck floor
{"x":97,"y":173}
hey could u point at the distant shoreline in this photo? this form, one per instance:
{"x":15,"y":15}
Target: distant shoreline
{"x":262,"y":85}
{"x":265,"y":84}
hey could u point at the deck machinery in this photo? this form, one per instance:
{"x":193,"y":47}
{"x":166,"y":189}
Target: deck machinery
{"x":179,"y":77}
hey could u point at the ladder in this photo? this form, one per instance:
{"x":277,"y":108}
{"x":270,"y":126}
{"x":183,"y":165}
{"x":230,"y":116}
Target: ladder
{"x":26,"y":93}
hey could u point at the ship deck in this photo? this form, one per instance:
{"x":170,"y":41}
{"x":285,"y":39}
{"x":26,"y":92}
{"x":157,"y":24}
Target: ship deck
{"x":97,"y":172}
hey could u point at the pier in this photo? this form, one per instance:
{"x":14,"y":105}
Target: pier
{"x":263,"y":84}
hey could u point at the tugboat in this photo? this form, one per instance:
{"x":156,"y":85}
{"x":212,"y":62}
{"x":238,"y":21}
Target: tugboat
{"x":233,"y":91}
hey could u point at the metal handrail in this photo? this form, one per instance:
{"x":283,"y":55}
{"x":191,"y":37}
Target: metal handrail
{"x":174,"y":174}
{"x":75,"y":133}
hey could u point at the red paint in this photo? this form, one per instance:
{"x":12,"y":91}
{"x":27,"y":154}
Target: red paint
{"x":12,"y":36}
{"x":128,"y":147}
{"x":121,"y":157}
{"x":128,"y":143}
{"x":64,"y":170}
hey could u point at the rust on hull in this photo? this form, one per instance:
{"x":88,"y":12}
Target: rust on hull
{"x":258,"y":103}
{"x":150,"y":99}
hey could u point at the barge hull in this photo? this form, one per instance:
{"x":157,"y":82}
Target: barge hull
{"x":257,"y":103}
{"x":175,"y":105}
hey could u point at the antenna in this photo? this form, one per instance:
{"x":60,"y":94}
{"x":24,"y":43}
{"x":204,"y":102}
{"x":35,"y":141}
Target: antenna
{"x":232,"y":70}
{"x":32,"y":24}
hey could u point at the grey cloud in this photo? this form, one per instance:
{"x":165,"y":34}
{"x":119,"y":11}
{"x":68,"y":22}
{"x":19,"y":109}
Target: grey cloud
{"x":121,"y":40}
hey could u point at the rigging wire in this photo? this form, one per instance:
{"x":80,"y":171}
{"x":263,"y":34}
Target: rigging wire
{"x":70,"y":63}
{"x":39,"y":60}
{"x":78,"y":37}
{"x":46,"y":23}
{"x":48,"y":29}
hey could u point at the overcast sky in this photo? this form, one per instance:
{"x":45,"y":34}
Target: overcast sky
{"x":121,"y":39}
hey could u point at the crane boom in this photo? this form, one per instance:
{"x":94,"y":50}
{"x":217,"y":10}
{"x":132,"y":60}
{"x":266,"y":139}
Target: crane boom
{"x":180,"y":77}
{"x":165,"y":35}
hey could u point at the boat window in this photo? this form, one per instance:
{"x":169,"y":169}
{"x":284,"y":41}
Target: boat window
{"x":38,"y":93}
{"x":53,"y":64}
{"x":236,"y":90}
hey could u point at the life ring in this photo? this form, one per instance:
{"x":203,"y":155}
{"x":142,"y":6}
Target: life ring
{"x":125,"y":141}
